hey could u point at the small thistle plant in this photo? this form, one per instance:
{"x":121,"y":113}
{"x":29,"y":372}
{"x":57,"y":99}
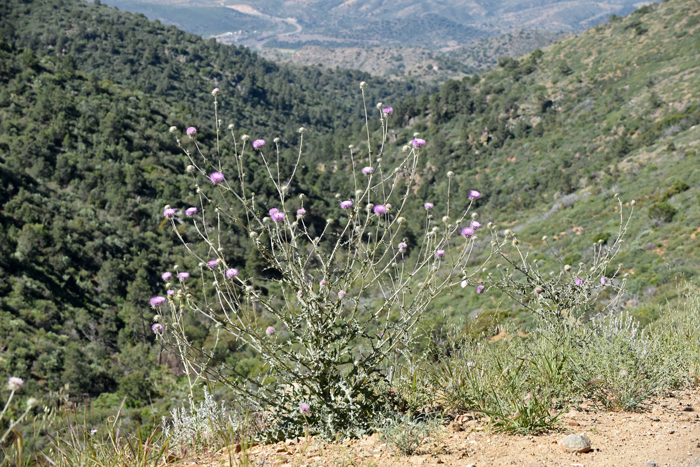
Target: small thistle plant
{"x":342,"y":301}
{"x":565,"y":297}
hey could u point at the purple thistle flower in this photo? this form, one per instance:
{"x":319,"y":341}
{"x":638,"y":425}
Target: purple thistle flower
{"x":15,"y":383}
{"x":418,"y":142}
{"x":603,"y":280}
{"x":215,"y":91}
{"x":258,"y":143}
{"x":300,"y":293}
{"x":579,"y":281}
{"x":473,"y":194}
{"x":231,"y":273}
{"x":272,"y":211}
{"x":157,"y":301}
{"x":270,"y":331}
{"x":428,"y":206}
{"x":567,"y":267}
{"x":191,"y":211}
{"x":301,"y":212}
{"x":346,"y":205}
{"x":387,"y":110}
{"x":216,"y":177}
{"x":323,"y":282}
{"x":213,"y":263}
{"x":93,"y":432}
{"x":183,"y":276}
{"x":440,"y":253}
{"x":402,"y":246}
{"x":304,"y":408}
{"x":342,"y":293}
{"x":191,"y":131}
{"x":380,"y":209}
{"x":170,"y":292}
{"x":278,"y":216}
{"x":157,"y":328}
{"x":480,"y":289}
{"x":368,"y":170}
{"x":166,"y":276}
{"x":476,"y":225}
{"x":170,"y":212}
{"x":467,"y":232}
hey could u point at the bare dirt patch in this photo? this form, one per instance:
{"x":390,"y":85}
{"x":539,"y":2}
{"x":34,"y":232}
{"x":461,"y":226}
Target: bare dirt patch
{"x":667,"y":433}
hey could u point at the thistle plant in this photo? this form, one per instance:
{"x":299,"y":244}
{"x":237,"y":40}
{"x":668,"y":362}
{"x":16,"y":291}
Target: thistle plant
{"x":563,"y":297}
{"x":341,"y":302}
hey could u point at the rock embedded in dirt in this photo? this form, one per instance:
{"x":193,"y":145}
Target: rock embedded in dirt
{"x":575,"y":443}
{"x":652,"y":464}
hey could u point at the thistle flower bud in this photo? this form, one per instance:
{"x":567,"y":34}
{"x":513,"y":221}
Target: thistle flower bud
{"x":301,"y":130}
{"x":248,"y":288}
{"x":284,"y":189}
{"x":266,"y":220}
{"x":337,"y":196}
{"x":369,"y":206}
{"x":567,"y":267}
{"x":400,"y":220}
{"x":515,"y":241}
{"x":475,"y":215}
{"x":245,"y":137}
{"x":330,"y":221}
{"x":276,"y":140}
{"x":544,"y":239}
{"x":406,"y":148}
{"x":253,"y":235}
{"x":172,"y":129}
{"x":633,"y":202}
{"x":358,"y":192}
{"x":450,"y":174}
{"x":189,"y":169}
{"x":351,"y":146}
{"x":363,"y":85}
{"x":379,"y":105}
{"x":416,"y":134}
{"x":301,"y":196}
{"x":230,"y":126}
{"x":445,"y":219}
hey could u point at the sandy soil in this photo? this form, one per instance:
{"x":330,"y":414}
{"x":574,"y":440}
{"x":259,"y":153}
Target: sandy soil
{"x":668,"y":433}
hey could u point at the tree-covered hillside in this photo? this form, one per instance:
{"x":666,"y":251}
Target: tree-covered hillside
{"x":88,"y":93}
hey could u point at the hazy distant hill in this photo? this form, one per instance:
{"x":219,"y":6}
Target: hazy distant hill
{"x":417,"y":34}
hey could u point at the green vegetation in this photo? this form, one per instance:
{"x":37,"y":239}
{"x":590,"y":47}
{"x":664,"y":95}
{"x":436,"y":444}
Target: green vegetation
{"x":87,"y":94}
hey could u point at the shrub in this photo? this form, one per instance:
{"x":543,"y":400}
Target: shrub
{"x":341,"y":300}
{"x":662,"y":212}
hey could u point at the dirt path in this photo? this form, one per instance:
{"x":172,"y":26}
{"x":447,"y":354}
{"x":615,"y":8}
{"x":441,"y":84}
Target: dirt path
{"x":667,"y":434}
{"x":280,"y":22}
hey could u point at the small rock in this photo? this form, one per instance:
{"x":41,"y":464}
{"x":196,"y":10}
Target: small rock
{"x":575,"y":443}
{"x":573,"y":423}
{"x":688,"y":409}
{"x":652,"y":464}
